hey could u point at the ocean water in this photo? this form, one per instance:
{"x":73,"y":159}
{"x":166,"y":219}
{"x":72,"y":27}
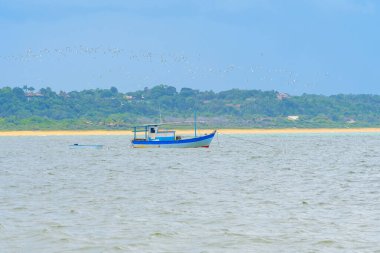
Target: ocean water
{"x":246,"y":193}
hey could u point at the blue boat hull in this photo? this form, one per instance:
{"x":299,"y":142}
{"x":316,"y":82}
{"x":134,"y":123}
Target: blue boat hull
{"x":197,"y":142}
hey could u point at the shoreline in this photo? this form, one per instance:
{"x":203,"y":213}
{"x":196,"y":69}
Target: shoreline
{"x":190,"y":131}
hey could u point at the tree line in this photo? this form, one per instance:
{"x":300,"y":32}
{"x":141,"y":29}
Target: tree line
{"x":27,"y":108}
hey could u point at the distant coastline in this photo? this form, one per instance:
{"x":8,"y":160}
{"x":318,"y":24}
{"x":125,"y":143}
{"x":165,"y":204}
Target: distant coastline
{"x":189,"y":132}
{"x":24,"y":108}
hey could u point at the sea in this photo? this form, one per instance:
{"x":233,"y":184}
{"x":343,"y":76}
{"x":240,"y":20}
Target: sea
{"x":246,"y":193}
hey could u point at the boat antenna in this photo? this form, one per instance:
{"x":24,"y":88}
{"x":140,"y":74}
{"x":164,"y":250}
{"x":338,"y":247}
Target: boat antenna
{"x":159,"y":109}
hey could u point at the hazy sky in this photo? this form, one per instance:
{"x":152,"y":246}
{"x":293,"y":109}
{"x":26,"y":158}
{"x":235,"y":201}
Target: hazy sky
{"x":294,"y":46}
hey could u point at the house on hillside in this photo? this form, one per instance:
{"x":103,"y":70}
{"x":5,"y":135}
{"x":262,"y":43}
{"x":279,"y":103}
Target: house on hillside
{"x":237,"y":106}
{"x":282,"y":96}
{"x":293,"y":117}
{"x":31,"y":95}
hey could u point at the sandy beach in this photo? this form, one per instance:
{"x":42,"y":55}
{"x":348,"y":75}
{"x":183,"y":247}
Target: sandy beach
{"x":189,"y":132}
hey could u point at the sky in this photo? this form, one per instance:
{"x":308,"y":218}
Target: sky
{"x":294,"y":46}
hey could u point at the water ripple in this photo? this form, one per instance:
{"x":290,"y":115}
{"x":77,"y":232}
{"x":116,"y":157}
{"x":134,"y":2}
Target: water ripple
{"x":308,"y":193}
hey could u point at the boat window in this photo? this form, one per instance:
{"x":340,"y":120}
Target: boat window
{"x":152,"y":130}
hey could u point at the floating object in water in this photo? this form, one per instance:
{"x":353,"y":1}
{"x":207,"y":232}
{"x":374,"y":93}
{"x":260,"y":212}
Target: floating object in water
{"x":76,"y":145}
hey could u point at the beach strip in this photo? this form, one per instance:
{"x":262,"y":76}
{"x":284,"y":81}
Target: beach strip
{"x":190,"y":132}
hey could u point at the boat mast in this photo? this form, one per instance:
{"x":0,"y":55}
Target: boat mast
{"x":195,"y":123}
{"x":159,"y":109}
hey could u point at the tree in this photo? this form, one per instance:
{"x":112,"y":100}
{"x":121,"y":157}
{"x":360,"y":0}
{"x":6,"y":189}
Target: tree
{"x":18,"y":92}
{"x":187,"y":92}
{"x":162,"y":90}
{"x":114,"y":90}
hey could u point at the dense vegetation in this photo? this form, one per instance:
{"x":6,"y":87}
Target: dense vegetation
{"x":25,"y":108}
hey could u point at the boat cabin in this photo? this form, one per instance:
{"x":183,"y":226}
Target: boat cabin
{"x":153,"y":133}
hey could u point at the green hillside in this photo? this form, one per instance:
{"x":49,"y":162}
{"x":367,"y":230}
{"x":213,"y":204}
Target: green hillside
{"x":26,"y":108}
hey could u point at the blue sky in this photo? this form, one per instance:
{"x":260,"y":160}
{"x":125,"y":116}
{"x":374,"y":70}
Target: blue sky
{"x":295,"y":46}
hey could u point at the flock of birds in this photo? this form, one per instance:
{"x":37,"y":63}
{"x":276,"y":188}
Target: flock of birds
{"x":31,"y":54}
{"x":165,"y":63}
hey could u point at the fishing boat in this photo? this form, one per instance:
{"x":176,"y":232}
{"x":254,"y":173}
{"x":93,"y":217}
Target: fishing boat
{"x":155,"y":137}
